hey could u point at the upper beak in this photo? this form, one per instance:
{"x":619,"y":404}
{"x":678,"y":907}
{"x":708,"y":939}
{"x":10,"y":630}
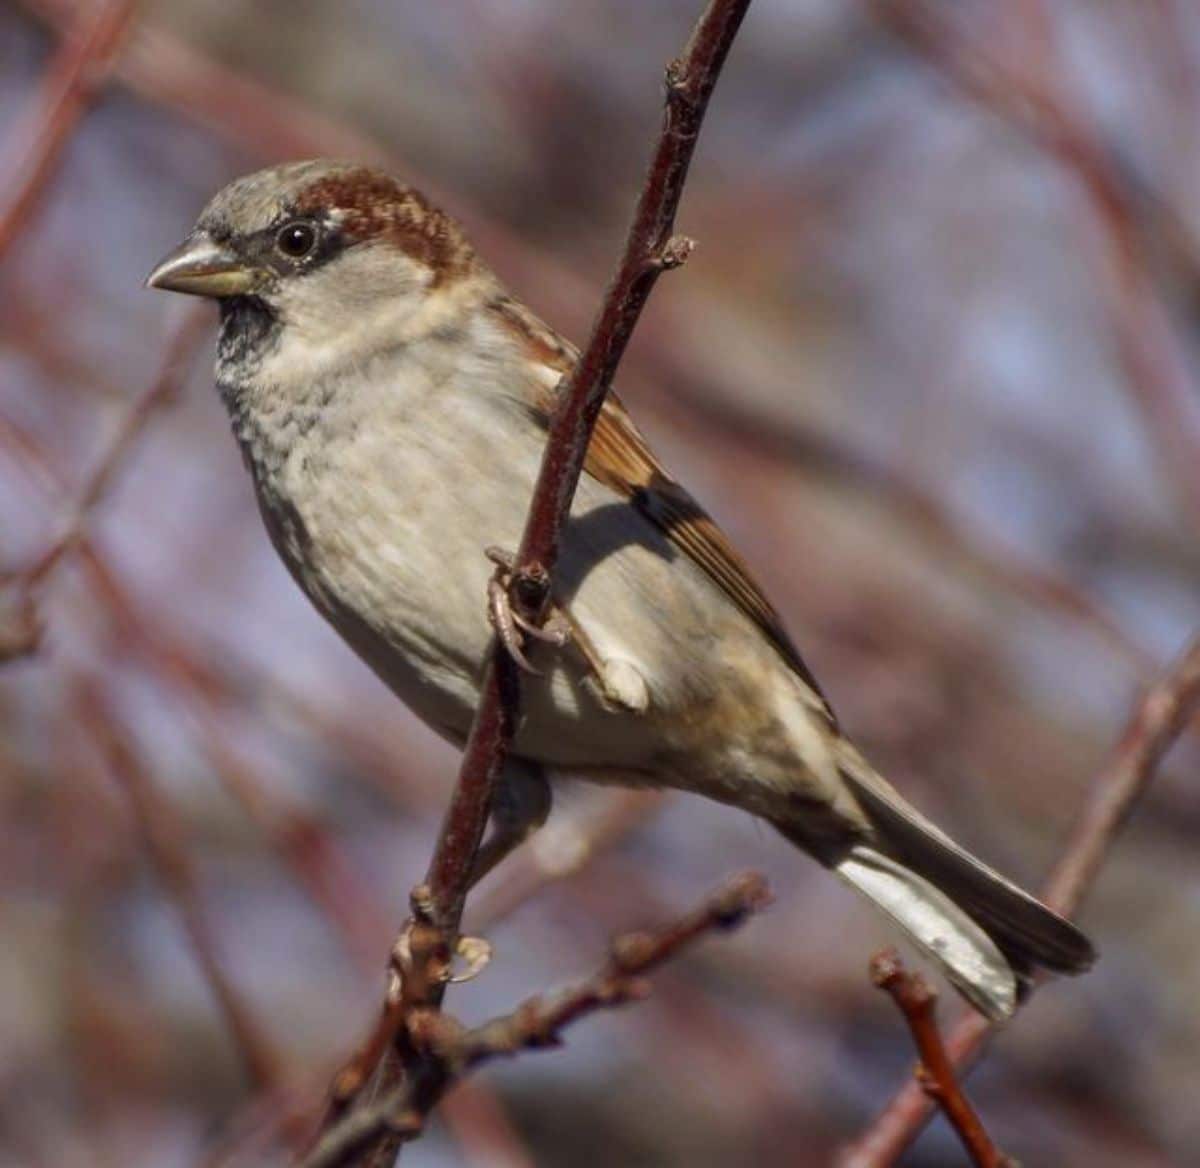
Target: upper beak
{"x":201,"y":267}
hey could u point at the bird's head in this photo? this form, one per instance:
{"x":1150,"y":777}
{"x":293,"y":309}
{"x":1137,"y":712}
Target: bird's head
{"x":322,"y":249}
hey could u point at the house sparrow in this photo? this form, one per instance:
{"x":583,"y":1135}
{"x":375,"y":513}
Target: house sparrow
{"x":391,"y":401}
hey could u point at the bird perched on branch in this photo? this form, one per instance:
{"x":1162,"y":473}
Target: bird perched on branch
{"x":391,"y":400}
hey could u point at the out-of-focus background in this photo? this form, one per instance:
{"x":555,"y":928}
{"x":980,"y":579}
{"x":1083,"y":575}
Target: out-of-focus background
{"x":933,"y":365}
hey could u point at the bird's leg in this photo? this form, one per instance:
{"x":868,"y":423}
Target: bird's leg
{"x":520,"y":806}
{"x":621,"y":684}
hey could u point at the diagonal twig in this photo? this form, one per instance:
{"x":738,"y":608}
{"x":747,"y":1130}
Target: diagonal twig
{"x":650,"y":249}
{"x":1156,"y":722}
{"x":164,"y":388}
{"x":535,"y":1024}
{"x":916,"y":999}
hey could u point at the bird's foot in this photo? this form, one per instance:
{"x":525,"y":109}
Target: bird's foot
{"x":511,"y":625}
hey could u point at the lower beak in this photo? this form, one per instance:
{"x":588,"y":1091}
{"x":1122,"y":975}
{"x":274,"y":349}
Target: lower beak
{"x":201,"y":267}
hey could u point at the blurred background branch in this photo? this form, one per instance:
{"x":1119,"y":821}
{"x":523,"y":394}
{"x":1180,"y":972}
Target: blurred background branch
{"x":72,"y":81}
{"x":1028,"y":95}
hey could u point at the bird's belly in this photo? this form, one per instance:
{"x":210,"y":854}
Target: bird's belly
{"x":395,"y":572}
{"x":389,"y":544}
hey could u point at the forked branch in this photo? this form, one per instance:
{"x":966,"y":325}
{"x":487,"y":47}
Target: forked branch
{"x":916,"y":999}
{"x":1156,"y":722}
{"x":450,"y":1050}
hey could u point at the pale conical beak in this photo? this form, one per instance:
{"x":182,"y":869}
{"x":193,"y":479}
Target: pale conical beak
{"x":200,"y":267}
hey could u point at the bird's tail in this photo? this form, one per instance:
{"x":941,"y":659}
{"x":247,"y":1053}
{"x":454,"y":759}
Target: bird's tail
{"x":986,"y":934}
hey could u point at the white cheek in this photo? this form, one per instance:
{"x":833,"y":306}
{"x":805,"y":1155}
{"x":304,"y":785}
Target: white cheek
{"x":329,"y":321}
{"x":364,"y":304}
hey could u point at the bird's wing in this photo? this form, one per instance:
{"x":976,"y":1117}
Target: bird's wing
{"x":620,"y":458}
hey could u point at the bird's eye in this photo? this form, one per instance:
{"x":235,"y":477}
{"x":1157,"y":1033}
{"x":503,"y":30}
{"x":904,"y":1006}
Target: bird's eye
{"x":296,"y":239}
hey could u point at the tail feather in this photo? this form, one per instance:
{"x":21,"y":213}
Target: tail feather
{"x":1030,"y":934}
{"x":987,"y":935}
{"x":963,"y":951}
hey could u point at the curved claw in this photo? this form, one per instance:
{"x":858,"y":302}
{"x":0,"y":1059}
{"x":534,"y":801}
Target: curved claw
{"x":500,"y":557}
{"x":553,"y":632}
{"x":504,"y":621}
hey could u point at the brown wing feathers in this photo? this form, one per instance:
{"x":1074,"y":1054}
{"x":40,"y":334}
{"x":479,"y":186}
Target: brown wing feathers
{"x":619,"y":457}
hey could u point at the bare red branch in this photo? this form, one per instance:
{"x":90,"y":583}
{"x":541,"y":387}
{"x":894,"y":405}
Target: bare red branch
{"x":422,"y":954}
{"x":1159,"y":719}
{"x":450,"y":1050}
{"x":20,"y":625}
{"x":181,"y":348}
{"x":1156,"y":722}
{"x":917,"y":1001}
{"x":649,"y":250}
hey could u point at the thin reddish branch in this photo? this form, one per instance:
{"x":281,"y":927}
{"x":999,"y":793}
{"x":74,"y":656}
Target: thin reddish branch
{"x":1157,"y":721}
{"x":75,"y":77}
{"x":534,"y":1025}
{"x":1163,"y":714}
{"x":20,"y":626}
{"x":181,"y":348}
{"x":1026,"y":93}
{"x":916,"y":999}
{"x":421,"y":958}
{"x":537,"y":1022}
